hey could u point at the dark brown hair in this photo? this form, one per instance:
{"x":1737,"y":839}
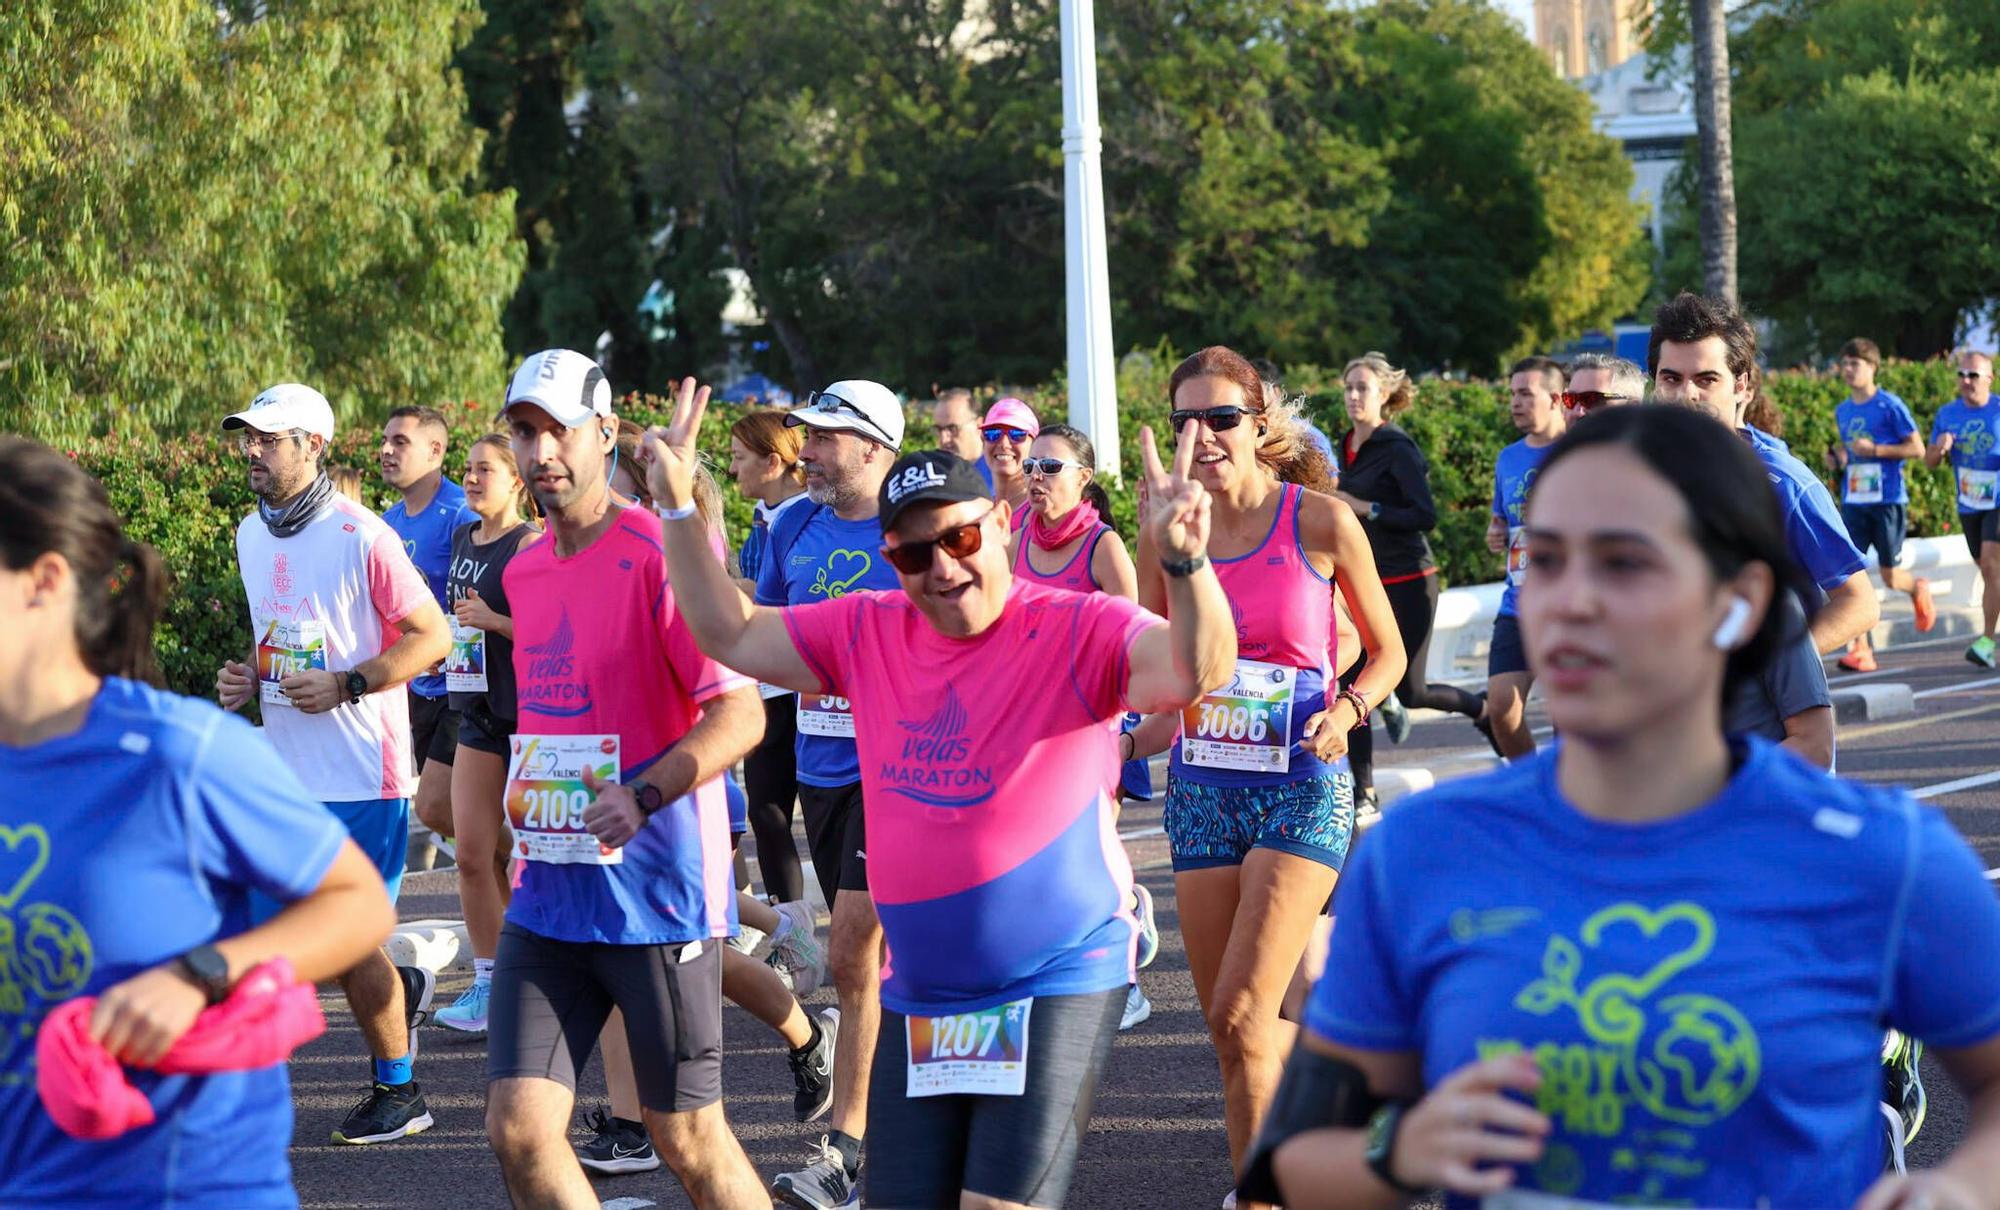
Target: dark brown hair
{"x":1864,"y":348}
{"x":1553,"y":375}
{"x":1689,"y":319}
{"x":53,"y":507}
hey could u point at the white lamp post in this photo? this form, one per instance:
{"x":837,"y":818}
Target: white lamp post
{"x":1093,"y":387}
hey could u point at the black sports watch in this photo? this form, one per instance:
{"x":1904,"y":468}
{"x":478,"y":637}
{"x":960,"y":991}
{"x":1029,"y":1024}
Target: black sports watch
{"x":1182,"y":568}
{"x":206,"y":968}
{"x":1382,"y":1130}
{"x":649,"y":798}
{"x":356,"y":685}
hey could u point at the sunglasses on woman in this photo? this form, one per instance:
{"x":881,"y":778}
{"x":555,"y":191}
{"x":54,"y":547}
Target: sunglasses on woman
{"x":960,"y":542}
{"x":998,"y":431}
{"x":1048,"y":467}
{"x":1218,"y":420}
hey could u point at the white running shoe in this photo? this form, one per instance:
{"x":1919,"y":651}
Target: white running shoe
{"x":796,"y":950}
{"x":1137,"y":1008}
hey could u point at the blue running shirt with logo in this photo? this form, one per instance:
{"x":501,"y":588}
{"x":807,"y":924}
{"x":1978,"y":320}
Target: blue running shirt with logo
{"x":1514,"y":474}
{"x":1885,"y":420}
{"x":1975,"y":448}
{"x":824,"y":561}
{"x":1705,"y":995}
{"x":143,"y":836}
{"x":427,"y":538}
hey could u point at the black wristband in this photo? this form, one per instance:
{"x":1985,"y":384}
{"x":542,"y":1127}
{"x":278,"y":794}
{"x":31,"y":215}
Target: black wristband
{"x":1180,"y":569}
{"x":1382,"y":1131}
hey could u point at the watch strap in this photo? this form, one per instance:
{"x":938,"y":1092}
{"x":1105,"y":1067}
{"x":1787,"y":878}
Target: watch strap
{"x":1382,"y":1131}
{"x":1180,"y":569}
{"x":649,"y":798}
{"x":206,"y":968}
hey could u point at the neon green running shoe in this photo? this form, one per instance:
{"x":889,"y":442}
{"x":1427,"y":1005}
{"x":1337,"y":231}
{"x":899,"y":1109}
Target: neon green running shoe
{"x":1981,"y":652}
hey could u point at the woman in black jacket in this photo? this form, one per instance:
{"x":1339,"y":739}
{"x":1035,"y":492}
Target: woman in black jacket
{"x":1384,"y":478}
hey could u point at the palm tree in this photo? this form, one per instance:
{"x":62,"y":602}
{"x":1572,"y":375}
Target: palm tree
{"x":1710,"y":28}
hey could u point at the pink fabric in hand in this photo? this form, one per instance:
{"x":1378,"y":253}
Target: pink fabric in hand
{"x":268,"y":1015}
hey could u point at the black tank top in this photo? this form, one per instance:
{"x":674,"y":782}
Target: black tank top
{"x":477,"y":568}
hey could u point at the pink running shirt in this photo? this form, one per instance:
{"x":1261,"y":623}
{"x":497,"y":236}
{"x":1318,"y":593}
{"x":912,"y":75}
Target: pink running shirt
{"x":992,"y":855}
{"x":1074,"y":576}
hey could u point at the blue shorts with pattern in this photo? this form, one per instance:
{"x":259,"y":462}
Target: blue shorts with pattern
{"x":1212,"y":826}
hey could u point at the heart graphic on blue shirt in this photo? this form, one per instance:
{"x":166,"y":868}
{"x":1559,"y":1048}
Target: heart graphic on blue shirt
{"x":844,"y":569}
{"x":24,"y":854}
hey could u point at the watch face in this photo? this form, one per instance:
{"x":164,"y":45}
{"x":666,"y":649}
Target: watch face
{"x":1380,"y":1128}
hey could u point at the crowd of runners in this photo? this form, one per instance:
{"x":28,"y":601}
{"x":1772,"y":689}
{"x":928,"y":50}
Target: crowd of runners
{"x":1651,"y":963}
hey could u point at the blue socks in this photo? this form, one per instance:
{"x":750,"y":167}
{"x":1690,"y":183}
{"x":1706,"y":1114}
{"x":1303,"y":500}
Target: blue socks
{"x":394,"y":1071}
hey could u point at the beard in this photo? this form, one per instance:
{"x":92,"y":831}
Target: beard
{"x":831,"y":494}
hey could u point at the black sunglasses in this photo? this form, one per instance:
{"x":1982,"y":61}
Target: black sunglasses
{"x":1972,"y":373}
{"x":820,"y":401}
{"x":997,"y":431}
{"x":1218,"y":420}
{"x":960,"y":542}
{"x":1590,"y":401}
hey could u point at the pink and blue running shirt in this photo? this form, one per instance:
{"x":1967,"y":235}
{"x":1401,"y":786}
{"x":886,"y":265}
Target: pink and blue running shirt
{"x":1283,"y":610}
{"x":992,"y":855}
{"x":1073,"y":576}
{"x":600,"y":648}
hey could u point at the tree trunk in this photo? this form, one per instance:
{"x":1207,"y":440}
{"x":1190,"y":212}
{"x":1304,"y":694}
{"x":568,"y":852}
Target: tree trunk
{"x":1718,"y":173}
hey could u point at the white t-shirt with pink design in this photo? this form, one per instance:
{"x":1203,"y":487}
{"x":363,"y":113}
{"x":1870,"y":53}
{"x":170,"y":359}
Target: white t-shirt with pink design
{"x":329,"y":597}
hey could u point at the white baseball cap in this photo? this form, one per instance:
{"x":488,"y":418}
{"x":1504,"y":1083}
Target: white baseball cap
{"x":854,"y":405}
{"x":564,"y":383}
{"x":287,"y":406}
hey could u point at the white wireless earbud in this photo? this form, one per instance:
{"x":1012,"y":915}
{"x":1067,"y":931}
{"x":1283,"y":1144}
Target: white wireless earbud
{"x":1729,"y":632}
{"x":607,"y":433}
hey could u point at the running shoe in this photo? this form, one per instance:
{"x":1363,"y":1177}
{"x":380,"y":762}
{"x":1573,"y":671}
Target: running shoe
{"x":420,"y":984}
{"x":746,"y":940}
{"x":796,"y":951}
{"x":1903,"y":1082}
{"x":820,"y":1185}
{"x":1981,"y":652}
{"x":616,"y":1146}
{"x":812,"y":1070}
{"x":1367,"y":809}
{"x":1137,"y":1008}
{"x":1858,"y":660}
{"x":467,"y":1014}
{"x":389,"y":1111}
{"x":1394,"y":718}
{"x":1926,"y":608}
{"x":1484,"y":726}
{"x":1149,"y":928}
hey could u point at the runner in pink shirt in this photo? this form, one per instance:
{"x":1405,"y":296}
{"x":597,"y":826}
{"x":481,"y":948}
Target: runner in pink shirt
{"x":982,"y":710}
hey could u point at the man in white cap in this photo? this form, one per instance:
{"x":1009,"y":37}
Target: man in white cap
{"x":342,"y":620}
{"x":614,"y":796}
{"x":822,"y":551}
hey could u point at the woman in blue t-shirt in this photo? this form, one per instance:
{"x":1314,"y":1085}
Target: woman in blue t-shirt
{"x":136,"y":826}
{"x":1651,"y":965}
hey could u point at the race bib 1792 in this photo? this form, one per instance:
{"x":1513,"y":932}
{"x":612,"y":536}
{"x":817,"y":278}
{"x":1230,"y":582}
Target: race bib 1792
{"x":286,"y":649}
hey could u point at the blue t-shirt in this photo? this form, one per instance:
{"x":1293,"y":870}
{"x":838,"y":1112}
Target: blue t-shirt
{"x":1885,"y":420}
{"x":827,"y":559}
{"x":1813,"y":528}
{"x":985,"y":471}
{"x":427,"y":539}
{"x":139,"y":837}
{"x":1973,"y":449}
{"x":1513,"y":475}
{"x":1705,"y":995}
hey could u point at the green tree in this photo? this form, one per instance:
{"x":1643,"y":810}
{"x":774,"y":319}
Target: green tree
{"x":196,"y":204}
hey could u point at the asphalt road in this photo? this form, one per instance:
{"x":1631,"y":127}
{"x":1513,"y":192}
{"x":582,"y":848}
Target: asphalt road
{"x":1156,"y":1139}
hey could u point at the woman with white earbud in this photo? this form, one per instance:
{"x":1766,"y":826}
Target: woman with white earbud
{"x":1651,"y":965}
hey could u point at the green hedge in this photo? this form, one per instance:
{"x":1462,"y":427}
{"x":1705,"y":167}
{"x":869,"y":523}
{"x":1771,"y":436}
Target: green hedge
{"x":186,"y":495}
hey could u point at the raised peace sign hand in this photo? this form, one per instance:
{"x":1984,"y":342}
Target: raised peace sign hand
{"x":1175,"y":507}
{"x":671,"y":454}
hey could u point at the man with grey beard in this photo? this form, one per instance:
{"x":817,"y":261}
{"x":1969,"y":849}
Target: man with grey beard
{"x":819,"y":551}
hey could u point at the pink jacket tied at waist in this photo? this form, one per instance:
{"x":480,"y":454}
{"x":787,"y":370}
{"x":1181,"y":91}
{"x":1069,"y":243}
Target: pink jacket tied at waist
{"x":268,"y":1015}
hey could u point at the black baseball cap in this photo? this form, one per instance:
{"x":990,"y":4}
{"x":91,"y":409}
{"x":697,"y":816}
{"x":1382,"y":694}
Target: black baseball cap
{"x":926,"y":477}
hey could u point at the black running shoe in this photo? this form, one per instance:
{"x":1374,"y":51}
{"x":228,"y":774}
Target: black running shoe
{"x":812,"y":1070}
{"x":1484,"y":726}
{"x":616,"y":1146}
{"x":389,"y":1111}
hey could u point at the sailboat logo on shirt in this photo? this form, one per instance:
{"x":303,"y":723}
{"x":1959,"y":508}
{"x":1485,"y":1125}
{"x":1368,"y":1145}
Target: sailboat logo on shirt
{"x":551,"y":686}
{"x":931,"y":768}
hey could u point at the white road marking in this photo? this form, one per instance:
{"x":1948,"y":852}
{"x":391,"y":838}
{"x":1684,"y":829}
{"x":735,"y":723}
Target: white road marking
{"x":1961,"y":687}
{"x":1953,"y":787}
{"x":628,"y":1203}
{"x":1850,"y":678}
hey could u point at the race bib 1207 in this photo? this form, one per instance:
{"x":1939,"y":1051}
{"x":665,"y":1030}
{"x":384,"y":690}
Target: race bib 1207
{"x":465,"y":667}
{"x":1978,"y":491}
{"x":984,"y":1052}
{"x":546,"y":796}
{"x":1246,"y":724}
{"x":287,"y":649}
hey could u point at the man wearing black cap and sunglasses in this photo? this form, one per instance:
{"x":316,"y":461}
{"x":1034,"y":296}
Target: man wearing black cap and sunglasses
{"x":983,"y":708}
{"x":821,"y":551}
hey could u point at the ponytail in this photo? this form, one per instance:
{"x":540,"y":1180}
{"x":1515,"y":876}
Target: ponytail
{"x":53,"y":507}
